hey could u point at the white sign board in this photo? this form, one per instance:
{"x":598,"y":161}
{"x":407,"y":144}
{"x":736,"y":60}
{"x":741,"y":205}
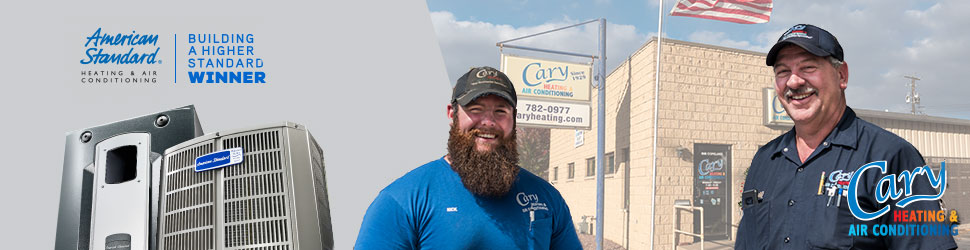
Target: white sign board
{"x":580,"y":138}
{"x":774,"y":112}
{"x":552,"y":114}
{"x":545,"y":79}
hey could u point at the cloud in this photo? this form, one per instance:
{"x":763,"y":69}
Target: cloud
{"x":937,"y":55}
{"x":668,"y":3}
{"x":883,"y":42}
{"x":466,"y":44}
{"x":922,"y":44}
{"x":720,"y":39}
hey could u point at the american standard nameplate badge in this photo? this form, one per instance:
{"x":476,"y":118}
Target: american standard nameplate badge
{"x":219,"y":159}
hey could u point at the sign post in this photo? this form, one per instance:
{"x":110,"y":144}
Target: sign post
{"x":560,"y":87}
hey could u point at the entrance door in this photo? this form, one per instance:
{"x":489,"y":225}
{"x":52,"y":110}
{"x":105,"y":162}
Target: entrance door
{"x":712,"y":185}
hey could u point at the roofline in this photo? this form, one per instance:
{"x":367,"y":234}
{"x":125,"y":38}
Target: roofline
{"x":709,"y":46}
{"x":911,"y":117}
{"x":860,"y":112}
{"x":654,"y":39}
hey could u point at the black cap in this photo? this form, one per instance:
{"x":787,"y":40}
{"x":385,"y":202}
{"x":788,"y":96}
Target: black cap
{"x":483,"y":81}
{"x":813,"y":39}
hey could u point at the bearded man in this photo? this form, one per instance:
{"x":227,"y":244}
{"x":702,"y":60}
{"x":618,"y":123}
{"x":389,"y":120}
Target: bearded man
{"x":476,"y":196}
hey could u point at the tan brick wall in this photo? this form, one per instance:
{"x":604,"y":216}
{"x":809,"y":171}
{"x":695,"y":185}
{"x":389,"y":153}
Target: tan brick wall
{"x":708,"y":94}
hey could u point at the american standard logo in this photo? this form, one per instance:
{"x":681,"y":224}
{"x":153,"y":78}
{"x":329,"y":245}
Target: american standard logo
{"x":131,"y":57}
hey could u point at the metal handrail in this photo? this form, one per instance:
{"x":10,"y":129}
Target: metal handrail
{"x":676,"y":224}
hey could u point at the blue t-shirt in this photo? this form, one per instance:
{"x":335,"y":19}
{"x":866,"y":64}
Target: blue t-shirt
{"x":429,"y":208}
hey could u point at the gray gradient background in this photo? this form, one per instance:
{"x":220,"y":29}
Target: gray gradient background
{"x":367,"y":79}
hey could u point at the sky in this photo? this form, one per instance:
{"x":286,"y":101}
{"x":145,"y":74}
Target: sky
{"x":883,"y":40}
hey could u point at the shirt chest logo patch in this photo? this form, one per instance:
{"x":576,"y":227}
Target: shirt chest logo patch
{"x":839,"y":179}
{"x":530,"y":202}
{"x":451,"y":209}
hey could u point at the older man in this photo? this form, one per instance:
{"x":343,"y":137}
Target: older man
{"x":476,"y":196}
{"x":797,"y":192}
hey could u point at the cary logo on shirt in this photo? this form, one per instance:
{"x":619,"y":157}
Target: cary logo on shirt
{"x":529,"y":202}
{"x":839,"y":179}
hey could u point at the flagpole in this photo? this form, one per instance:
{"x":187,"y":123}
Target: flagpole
{"x":600,"y":133}
{"x":656,"y":106}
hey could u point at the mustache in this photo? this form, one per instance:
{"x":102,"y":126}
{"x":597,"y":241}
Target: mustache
{"x":494,"y":131}
{"x":805,"y":89}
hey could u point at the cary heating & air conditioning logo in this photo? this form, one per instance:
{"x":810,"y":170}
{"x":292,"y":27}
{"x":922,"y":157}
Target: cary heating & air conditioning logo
{"x":893,"y":187}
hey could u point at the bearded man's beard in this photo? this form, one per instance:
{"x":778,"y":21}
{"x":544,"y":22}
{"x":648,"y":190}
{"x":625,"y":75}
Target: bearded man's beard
{"x":490,"y":173}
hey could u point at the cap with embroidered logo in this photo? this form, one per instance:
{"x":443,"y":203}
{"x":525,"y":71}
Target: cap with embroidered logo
{"x":813,"y":39}
{"x":482,"y":81}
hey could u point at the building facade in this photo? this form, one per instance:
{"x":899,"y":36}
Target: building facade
{"x":712,"y":112}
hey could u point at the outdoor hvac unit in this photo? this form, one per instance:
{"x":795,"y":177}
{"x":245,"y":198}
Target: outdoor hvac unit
{"x":275,"y":198}
{"x":109,"y":185}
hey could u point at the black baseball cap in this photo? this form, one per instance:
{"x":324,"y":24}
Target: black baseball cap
{"x":482,"y":81}
{"x":813,"y":39}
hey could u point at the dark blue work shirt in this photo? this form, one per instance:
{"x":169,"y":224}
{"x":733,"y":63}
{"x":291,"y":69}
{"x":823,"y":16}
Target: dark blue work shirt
{"x":796,"y":210}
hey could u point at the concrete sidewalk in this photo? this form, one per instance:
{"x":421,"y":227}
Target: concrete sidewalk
{"x":708,"y":245}
{"x":962,"y":240}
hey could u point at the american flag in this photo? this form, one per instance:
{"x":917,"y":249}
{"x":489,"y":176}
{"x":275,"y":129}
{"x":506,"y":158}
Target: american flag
{"x":735,"y":11}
